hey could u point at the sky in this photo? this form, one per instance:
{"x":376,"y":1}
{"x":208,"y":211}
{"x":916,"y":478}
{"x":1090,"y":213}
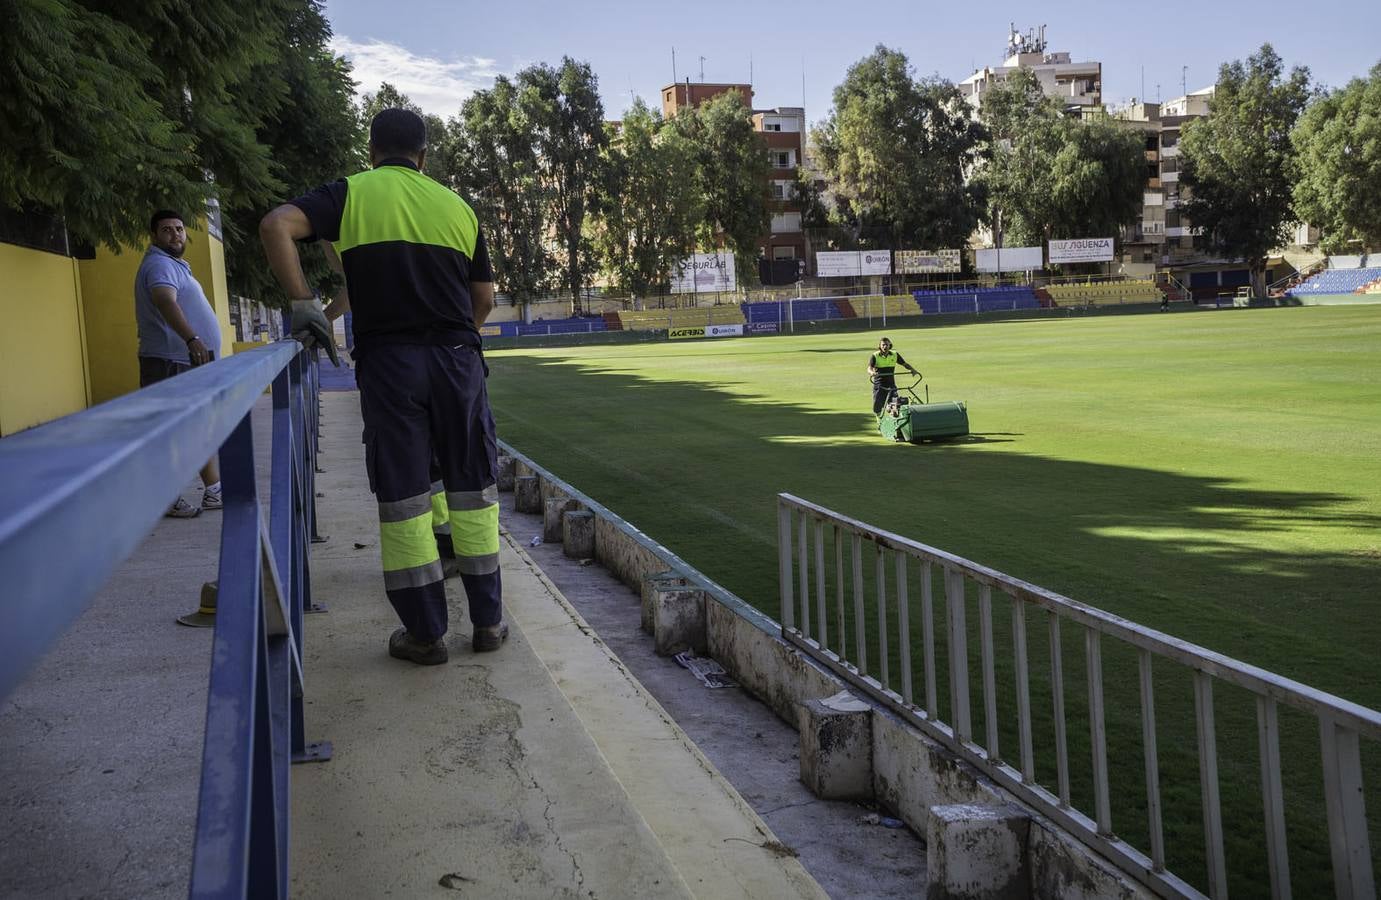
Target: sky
{"x":440,"y":52}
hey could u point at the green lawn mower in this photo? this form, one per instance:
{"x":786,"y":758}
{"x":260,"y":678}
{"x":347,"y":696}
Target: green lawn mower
{"x":915,"y":420}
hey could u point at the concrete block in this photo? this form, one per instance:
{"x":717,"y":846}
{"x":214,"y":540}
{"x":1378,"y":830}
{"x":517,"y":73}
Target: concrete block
{"x":663,"y":580}
{"x":521,"y":468}
{"x":578,"y":534}
{"x":505,"y":472}
{"x":678,"y":620}
{"x":673,"y":612}
{"x":526,"y":495}
{"x":977,"y":853}
{"x":836,"y":736}
{"x":554,"y":509}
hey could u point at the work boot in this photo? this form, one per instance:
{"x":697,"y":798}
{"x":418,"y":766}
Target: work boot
{"x":402,"y":645}
{"x":489,"y":638}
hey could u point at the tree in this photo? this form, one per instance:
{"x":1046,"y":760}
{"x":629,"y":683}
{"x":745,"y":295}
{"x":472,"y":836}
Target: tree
{"x":495,"y":165}
{"x":98,"y":148}
{"x":1052,"y":176}
{"x":126,"y":107}
{"x":897,"y":153}
{"x":1338,"y":142}
{"x":731,"y":171}
{"x":1026,"y":132}
{"x":567,"y":120}
{"x":314,"y":137}
{"x":1239,"y":164}
{"x":1099,"y":179}
{"x":652,"y":209}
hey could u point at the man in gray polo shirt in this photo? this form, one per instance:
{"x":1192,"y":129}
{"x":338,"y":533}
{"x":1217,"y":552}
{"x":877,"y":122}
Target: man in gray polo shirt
{"x":178,"y":328}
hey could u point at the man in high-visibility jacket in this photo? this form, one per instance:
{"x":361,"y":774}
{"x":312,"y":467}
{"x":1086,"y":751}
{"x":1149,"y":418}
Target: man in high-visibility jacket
{"x":419,"y":284}
{"x":882,"y":366}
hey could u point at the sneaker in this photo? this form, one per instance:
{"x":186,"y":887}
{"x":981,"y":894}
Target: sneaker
{"x":490,"y":637}
{"x":402,"y":645}
{"x":212,"y":500}
{"x":183,"y":510}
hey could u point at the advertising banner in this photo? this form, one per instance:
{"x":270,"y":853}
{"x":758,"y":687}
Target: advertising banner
{"x":837,"y":263}
{"x":762,"y":327}
{"x":1009,"y":259}
{"x":723,"y":330}
{"x":875,"y":262}
{"x":918,"y":262}
{"x":485,"y":330}
{"x":704,"y":273}
{"x":1080,"y":250}
{"x":677,"y":334}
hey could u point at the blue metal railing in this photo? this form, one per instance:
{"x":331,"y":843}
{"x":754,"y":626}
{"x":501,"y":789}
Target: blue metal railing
{"x":100,"y":480}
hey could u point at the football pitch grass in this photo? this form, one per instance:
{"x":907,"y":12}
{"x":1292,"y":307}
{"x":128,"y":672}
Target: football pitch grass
{"x":1216,"y":476}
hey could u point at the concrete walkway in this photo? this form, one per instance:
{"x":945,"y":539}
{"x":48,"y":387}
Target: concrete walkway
{"x":543,"y":770}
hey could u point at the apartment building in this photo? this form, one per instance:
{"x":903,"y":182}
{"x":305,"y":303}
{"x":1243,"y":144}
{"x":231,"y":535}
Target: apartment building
{"x":1163,"y":237}
{"x":1078,"y":85}
{"x":783,"y":131}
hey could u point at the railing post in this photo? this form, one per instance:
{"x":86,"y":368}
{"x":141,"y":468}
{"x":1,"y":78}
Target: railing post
{"x":985,"y":628}
{"x":932,"y":703}
{"x":820,"y":581}
{"x":958,"y":655}
{"x":1273,"y":797}
{"x":1097,"y":731}
{"x":235,"y":851}
{"x":1148,"y":740}
{"x":904,"y":629}
{"x":803,"y":554}
{"x":785,"y":600}
{"x":880,"y":581}
{"x":1208,"y":786}
{"x":1347,"y":816}
{"x":1057,"y":691}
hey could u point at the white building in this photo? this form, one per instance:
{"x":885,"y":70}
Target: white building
{"x":1078,"y":85}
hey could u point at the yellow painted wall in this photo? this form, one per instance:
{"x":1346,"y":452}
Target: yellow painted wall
{"x":42,"y":371}
{"x":108,"y":293}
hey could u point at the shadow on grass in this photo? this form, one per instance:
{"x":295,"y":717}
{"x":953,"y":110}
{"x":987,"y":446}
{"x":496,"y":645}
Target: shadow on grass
{"x":1206,"y":559}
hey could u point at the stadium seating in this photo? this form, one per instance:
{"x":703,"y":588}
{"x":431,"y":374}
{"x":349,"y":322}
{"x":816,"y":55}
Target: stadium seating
{"x":1001,"y":298}
{"x":1337,"y":281}
{"x":876,"y":306}
{"x":693,"y":317}
{"x":1104,"y":293}
{"x":803,"y":310}
{"x":577,"y":325}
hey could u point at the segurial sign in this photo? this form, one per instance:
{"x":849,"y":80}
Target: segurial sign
{"x":1077,"y":250}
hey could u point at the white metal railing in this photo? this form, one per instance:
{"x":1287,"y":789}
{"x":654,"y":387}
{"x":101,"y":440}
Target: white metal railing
{"x":803,"y":576}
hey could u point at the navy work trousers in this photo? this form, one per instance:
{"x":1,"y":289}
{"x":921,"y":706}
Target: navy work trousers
{"x":426,"y":411}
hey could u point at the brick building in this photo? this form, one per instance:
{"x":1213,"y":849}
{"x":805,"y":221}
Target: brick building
{"x":783,"y":133}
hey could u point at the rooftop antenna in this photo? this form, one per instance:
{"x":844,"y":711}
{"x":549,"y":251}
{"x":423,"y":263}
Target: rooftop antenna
{"x":1184,"y":78}
{"x":1143,"y":84}
{"x":674,"y":77}
{"x":750,"y":68}
{"x":702,"y":70}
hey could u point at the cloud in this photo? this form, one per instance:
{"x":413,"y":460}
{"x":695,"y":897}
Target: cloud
{"x":438,"y":86}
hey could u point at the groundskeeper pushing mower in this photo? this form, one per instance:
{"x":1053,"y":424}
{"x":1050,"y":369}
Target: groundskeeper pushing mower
{"x":914,"y":420}
{"x":882,"y":365}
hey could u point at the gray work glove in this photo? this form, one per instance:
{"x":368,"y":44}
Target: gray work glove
{"x":309,"y":325}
